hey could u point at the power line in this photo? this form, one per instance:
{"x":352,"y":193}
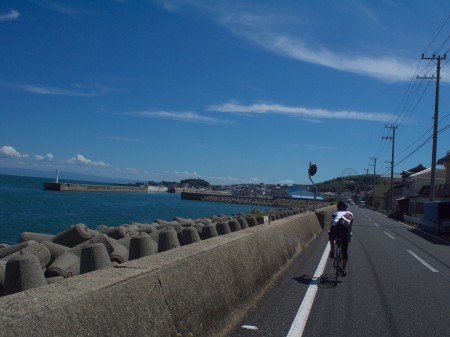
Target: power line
{"x":421,"y":145}
{"x":436,"y":35}
{"x":414,"y":95}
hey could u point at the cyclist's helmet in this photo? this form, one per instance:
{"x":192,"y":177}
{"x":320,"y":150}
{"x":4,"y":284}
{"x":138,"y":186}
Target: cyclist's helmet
{"x":341,"y":206}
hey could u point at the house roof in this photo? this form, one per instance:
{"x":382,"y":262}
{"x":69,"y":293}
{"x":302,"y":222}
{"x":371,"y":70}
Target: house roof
{"x":444,"y":160}
{"x":440,"y":173}
{"x":413,"y":170}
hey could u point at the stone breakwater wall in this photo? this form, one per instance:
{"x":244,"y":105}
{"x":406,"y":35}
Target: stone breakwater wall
{"x":201,"y":288}
{"x":302,"y":204}
{"x":66,"y":187}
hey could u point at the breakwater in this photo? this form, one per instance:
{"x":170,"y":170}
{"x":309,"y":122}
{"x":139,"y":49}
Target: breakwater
{"x":53,"y":186}
{"x":302,"y":205}
{"x":199,"y":288}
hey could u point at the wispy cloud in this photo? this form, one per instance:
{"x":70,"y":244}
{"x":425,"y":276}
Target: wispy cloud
{"x":61,"y":8}
{"x":384,"y":68}
{"x":187,"y":116}
{"x":277,"y":109}
{"x":270,"y":35}
{"x":188,"y":174}
{"x":231,"y":180}
{"x":272,"y":29}
{"x":287,"y":182}
{"x":80,"y":159}
{"x":309,"y":147}
{"x":76,"y":89}
{"x":41,"y":90}
{"x":12,"y":15}
{"x":122,"y":139}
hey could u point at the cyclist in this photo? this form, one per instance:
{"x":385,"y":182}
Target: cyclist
{"x":341,"y":227}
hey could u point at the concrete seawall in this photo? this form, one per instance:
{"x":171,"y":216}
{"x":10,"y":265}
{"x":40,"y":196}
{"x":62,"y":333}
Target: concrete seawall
{"x":282,"y":202}
{"x":201,"y":289}
{"x":64,"y":187}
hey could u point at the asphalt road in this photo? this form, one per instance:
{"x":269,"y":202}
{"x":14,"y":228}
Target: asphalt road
{"x":398,"y":284}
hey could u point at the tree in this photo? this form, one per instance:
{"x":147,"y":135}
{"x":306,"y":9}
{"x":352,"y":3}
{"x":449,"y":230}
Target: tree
{"x":195,"y":182}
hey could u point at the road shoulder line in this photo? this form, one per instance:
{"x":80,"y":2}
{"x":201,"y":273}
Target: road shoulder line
{"x":298,"y":325}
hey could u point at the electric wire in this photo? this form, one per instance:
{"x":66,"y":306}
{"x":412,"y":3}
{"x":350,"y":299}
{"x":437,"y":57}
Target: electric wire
{"x":421,"y":145}
{"x":414,"y":94}
{"x":436,"y":35}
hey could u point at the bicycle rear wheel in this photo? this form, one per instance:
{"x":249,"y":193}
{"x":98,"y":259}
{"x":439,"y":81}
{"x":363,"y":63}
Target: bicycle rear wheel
{"x":337,"y":264}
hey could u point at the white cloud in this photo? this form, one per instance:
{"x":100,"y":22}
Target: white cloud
{"x":287,"y":182}
{"x":80,"y":159}
{"x":75,"y":89}
{"x":185,"y":174}
{"x":48,"y":156}
{"x":287,"y":34}
{"x":381,"y":67}
{"x":277,"y":109}
{"x":11,"y":152}
{"x":178,"y":116}
{"x":12,"y":15}
{"x":42,"y":90}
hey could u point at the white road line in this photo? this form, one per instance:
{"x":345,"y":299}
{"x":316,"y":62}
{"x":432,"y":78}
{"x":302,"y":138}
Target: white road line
{"x":423,"y":261}
{"x":377,"y":225}
{"x":389,"y":235}
{"x":298,"y":325}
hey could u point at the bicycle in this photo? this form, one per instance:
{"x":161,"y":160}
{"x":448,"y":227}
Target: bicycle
{"x":338,"y":262}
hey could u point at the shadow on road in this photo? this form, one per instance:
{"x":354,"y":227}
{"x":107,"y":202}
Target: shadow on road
{"x":324,"y":281}
{"x":443,"y":240}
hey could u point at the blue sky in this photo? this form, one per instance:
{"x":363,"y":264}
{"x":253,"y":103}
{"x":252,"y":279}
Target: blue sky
{"x":227,"y":91}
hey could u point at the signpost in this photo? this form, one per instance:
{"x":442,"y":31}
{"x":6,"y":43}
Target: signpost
{"x":312,"y":171}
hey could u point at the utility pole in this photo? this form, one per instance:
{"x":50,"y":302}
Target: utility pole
{"x":374,"y":169}
{"x":365,"y":187}
{"x":392,"y":138}
{"x":374,"y":176}
{"x":435,"y":122}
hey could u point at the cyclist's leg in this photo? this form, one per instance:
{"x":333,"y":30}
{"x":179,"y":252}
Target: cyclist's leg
{"x":345,"y":251}
{"x":337,"y":263}
{"x":331,"y":238}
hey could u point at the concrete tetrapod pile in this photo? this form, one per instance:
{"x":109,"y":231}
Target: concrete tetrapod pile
{"x":141,"y":284}
{"x":78,"y":249}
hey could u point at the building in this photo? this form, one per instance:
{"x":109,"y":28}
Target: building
{"x":414,"y":190}
{"x":380,"y":195}
{"x":410,"y":196}
{"x":443,"y":190}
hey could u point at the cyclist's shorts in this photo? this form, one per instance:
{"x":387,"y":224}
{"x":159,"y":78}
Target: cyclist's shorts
{"x":337,"y":232}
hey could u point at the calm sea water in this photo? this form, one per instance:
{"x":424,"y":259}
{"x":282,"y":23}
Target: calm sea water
{"x":26,"y":207}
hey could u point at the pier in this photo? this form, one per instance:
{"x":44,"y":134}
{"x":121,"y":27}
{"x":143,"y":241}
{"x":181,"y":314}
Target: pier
{"x":56,"y":186}
{"x":303,"y":204}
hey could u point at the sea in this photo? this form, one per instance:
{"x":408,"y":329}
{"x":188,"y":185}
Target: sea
{"x":26,"y":207}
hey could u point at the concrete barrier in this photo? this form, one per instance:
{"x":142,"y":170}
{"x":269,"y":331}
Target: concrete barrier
{"x":324,"y":215}
{"x":201,"y":289}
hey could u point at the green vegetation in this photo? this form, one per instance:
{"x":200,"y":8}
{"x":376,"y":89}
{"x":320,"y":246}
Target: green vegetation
{"x":195,"y":182}
{"x":254,"y":212}
{"x":350,"y":183}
